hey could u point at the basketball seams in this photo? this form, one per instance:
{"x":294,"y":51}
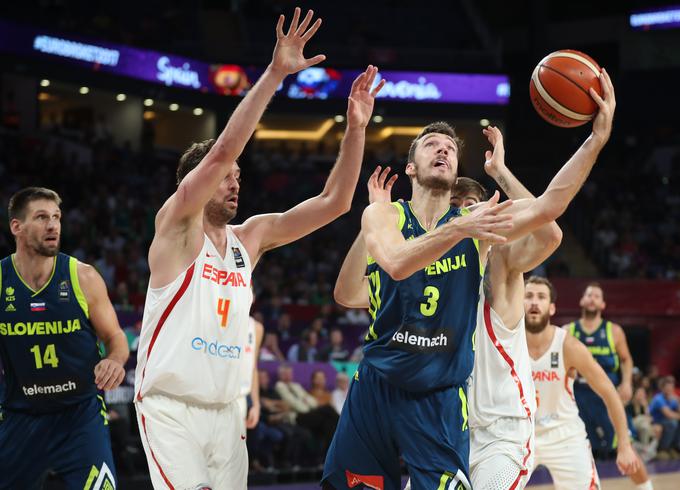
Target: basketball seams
{"x":548,"y":99}
{"x":574,"y":56}
{"x":548,"y":67}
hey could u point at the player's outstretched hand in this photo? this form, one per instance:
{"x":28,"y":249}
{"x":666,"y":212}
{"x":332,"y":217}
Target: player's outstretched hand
{"x":378,"y":190}
{"x":627,"y":460}
{"x":288,"y":56}
{"x":602,"y":125}
{"x":486,"y":220}
{"x":253,"y":417}
{"x":362,"y":98}
{"x":494,"y":160}
{"x":108,"y":374}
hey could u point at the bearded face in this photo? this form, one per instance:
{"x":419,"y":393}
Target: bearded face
{"x":221,"y":209}
{"x":435,"y":162}
{"x":40,"y":230}
{"x":538,"y":307}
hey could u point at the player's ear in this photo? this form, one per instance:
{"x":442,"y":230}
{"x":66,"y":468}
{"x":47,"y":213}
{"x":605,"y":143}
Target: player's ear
{"x":410,"y":169}
{"x":15,"y":226}
{"x":552,"y":309}
{"x":604,"y":305}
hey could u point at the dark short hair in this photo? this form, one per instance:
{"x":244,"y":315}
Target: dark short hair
{"x":19,"y":202}
{"x":594,"y":284}
{"x":192,"y":157}
{"x":545,"y":282}
{"x":666,"y":380}
{"x":465,"y":186}
{"x":439,"y":127}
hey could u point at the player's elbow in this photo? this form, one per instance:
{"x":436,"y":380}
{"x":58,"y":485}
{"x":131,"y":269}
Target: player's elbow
{"x":396,"y":270}
{"x":341,"y":295}
{"x":555,"y":236}
{"x":336,"y":202}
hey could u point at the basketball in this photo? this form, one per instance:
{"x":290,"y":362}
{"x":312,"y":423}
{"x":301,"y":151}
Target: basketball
{"x":559,"y":88}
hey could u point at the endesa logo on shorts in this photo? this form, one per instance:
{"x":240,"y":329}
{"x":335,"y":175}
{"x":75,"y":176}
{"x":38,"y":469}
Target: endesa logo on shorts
{"x":216,"y":349}
{"x":420,"y":340}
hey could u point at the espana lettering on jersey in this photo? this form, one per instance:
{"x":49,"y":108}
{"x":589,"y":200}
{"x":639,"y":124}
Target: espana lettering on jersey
{"x":40,"y":328}
{"x":445,"y":265}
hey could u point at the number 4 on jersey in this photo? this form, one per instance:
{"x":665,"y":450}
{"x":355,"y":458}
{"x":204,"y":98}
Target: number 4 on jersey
{"x":223,"y":311}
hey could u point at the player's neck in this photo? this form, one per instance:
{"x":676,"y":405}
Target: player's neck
{"x":590,"y":323}
{"x":34,"y":269}
{"x":539,"y":343}
{"x":217,"y":235}
{"x":429,"y":206}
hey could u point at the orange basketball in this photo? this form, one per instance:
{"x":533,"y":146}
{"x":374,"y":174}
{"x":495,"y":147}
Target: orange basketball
{"x":559,"y":88}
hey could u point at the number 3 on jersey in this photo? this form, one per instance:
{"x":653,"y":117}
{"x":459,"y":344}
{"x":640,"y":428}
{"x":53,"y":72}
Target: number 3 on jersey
{"x":429,"y":307}
{"x":223,"y":311}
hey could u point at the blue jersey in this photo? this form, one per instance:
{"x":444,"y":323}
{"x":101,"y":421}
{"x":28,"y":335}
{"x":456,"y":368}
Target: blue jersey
{"x":47,"y":344}
{"x":420,"y":337}
{"x":600,"y":343}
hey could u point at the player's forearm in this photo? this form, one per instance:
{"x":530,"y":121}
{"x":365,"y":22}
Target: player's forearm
{"x":244,"y":119}
{"x":404,"y":259}
{"x":350,"y":283}
{"x":255,"y":387}
{"x":342,"y":181}
{"x":117,"y":348}
{"x":569,"y":180}
{"x":511,"y":185}
{"x":616,"y":413}
{"x":627,"y":371}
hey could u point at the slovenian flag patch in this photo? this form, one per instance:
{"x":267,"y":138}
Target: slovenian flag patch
{"x":38,"y":306}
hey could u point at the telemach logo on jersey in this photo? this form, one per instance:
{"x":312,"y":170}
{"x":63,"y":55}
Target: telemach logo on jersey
{"x":421,"y":340}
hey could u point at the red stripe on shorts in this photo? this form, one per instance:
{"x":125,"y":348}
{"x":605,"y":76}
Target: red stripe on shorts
{"x":167,"y":482}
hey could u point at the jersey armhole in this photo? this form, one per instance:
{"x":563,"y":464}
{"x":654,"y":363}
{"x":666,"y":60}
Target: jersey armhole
{"x":80,"y":296}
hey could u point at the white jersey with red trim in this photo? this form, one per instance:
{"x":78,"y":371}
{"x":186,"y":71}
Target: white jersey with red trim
{"x":555,"y":389}
{"x":501,"y":384}
{"x":195,"y":329}
{"x":248,"y":358}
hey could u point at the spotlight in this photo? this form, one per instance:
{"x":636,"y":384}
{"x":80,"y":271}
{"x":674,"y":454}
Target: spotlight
{"x":378,"y":118}
{"x":339,"y":118}
{"x":121,"y":97}
{"x":148,"y":102}
{"x":484,"y":122}
{"x":84,"y":90}
{"x":174,"y":107}
{"x":44,"y":83}
{"x":198,"y":111}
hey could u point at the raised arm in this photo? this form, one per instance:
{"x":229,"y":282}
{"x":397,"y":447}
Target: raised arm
{"x":110,"y":371}
{"x":269,"y":231}
{"x":576,"y":355}
{"x":527,"y":252}
{"x":401,"y":258}
{"x":200,"y":184}
{"x":565,"y":185}
{"x":351,"y":287}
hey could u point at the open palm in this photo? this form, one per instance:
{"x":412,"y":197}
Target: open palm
{"x":362,"y":98}
{"x":288,"y":54}
{"x":378,"y":189}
